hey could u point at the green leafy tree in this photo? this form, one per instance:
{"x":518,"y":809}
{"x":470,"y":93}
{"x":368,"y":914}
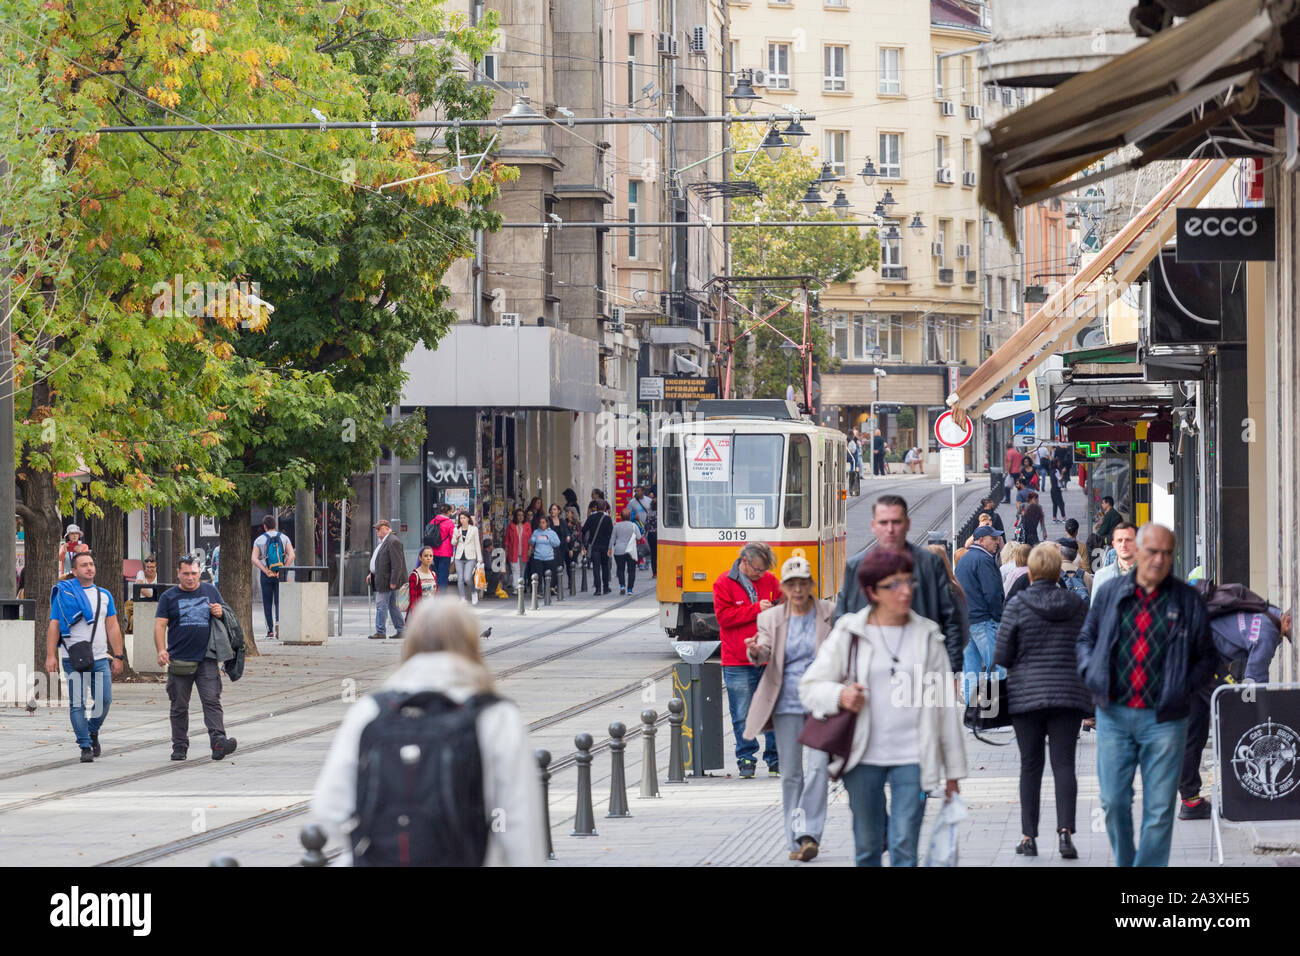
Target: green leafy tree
{"x":827,"y":253}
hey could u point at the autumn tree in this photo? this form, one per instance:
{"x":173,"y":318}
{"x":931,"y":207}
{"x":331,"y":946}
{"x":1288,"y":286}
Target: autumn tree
{"x":828,"y":253}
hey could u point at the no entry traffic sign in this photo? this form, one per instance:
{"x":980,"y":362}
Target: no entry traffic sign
{"x":948,"y":434}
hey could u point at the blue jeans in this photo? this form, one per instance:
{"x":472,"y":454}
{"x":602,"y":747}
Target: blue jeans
{"x":270,"y":601}
{"x":865,"y":784}
{"x":979,"y":655}
{"x":100,"y":683}
{"x":386,"y":605}
{"x":442,"y":570}
{"x":1129,"y":738}
{"x":741,"y":682}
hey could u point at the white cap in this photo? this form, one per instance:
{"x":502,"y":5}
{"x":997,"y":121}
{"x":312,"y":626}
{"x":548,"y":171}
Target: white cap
{"x":72,"y":529}
{"x":795,"y":568}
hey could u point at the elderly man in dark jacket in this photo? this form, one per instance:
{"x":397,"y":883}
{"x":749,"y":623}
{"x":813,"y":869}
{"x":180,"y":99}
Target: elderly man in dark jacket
{"x":387,"y":575}
{"x":977,"y":573}
{"x":931,"y":593}
{"x":1144,"y":650}
{"x":1046,"y":698}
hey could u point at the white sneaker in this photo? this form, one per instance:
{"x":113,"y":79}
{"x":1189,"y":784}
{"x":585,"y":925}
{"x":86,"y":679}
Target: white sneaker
{"x":474,"y":599}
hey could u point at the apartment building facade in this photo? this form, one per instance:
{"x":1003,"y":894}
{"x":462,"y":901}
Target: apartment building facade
{"x":895,"y":88}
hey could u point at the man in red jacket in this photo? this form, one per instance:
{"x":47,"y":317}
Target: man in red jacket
{"x":739,"y":596}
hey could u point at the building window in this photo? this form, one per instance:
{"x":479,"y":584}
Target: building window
{"x":938,"y":76}
{"x":840,"y":335}
{"x":933,"y":351}
{"x":864,"y":336}
{"x":633,"y":207}
{"x":891,"y":71}
{"x":1002,"y":294}
{"x":835,"y":76}
{"x":891,"y":155}
{"x":778,"y":66}
{"x":1015,"y":295}
{"x":941,"y":242}
{"x":889,"y":336}
{"x":632,"y":40}
{"x":489,"y":69}
{"x":988,"y":291}
{"x":965,"y":80}
{"x":952,"y":340}
{"x":836,"y":3}
{"x":941,"y":158}
{"x":733,"y":52}
{"x":967,"y":151}
{"x":837,"y":151}
{"x":891,"y":250}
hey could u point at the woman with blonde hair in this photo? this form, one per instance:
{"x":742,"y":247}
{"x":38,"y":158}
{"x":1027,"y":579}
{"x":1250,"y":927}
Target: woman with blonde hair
{"x":958,"y":594}
{"x":1020,"y":574}
{"x":1013,"y":558}
{"x":441,"y":683}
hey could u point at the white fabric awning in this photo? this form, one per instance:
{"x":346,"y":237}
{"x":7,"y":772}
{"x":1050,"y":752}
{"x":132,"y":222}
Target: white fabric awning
{"x":1007,"y":408}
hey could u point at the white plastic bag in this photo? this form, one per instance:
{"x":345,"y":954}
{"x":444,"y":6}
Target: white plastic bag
{"x":943,"y":842}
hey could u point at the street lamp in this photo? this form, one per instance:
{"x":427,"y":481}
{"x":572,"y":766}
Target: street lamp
{"x":827,"y":179}
{"x":787,"y":347}
{"x":795,"y":128}
{"x":773,"y":144}
{"x":841,"y":205}
{"x":888,"y":199}
{"x":868,"y":172}
{"x":742,"y":94}
{"x":880,"y":211}
{"x":522,"y":109}
{"x":917,"y":226}
{"x":812,"y":198}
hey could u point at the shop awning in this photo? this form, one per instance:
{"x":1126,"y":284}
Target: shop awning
{"x":1007,"y":408}
{"x":1216,"y":51}
{"x":1087,"y":293}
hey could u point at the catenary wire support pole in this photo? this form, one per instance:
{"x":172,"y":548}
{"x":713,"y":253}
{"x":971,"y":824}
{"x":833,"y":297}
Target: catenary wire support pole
{"x":649,"y":772}
{"x":618,"y":772}
{"x":543,"y":768}
{"x":584,"y":820}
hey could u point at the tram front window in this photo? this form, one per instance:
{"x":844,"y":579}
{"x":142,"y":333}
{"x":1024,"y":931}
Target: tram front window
{"x":733,"y":481}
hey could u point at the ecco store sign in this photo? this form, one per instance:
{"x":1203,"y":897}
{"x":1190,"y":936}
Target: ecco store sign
{"x":1225,"y":235}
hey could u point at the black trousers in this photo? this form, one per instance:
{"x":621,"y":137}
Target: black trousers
{"x":1058,"y":501}
{"x":626,"y":570}
{"x":1198,"y":731}
{"x":599,"y":568}
{"x":179,"y":688}
{"x":1059,"y":728}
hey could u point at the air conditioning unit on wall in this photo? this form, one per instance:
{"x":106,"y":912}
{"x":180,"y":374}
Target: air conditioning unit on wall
{"x":947,"y":108}
{"x":510,"y":318}
{"x":668,"y":46}
{"x":760,"y":77}
{"x":699,"y":39}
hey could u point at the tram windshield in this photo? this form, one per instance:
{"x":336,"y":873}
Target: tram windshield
{"x":733,"y":481}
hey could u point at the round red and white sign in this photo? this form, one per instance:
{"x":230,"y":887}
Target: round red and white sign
{"x":949,"y":435}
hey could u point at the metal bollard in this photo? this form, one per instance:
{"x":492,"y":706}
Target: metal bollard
{"x":618,"y":772}
{"x":522,"y":593}
{"x":584,"y":575}
{"x":649,"y":772}
{"x":584,"y":821}
{"x":313,"y":840}
{"x":543,"y":762}
{"x":533,"y":580}
{"x":572,"y":580}
{"x":223,"y":861}
{"x":676,"y":765}
{"x":548,"y":582}
{"x":559,"y":585}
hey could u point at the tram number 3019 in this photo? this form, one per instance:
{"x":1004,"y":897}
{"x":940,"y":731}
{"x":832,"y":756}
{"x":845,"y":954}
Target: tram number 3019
{"x":732,"y":535}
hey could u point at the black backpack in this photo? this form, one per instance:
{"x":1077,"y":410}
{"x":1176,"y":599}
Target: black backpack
{"x":433,"y":534}
{"x":420,"y":783}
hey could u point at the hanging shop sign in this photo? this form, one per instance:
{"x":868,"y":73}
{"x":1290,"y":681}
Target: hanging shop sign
{"x":1218,"y":235}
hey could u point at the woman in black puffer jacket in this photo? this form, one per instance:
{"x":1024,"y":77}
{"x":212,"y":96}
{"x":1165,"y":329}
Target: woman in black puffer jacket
{"x":1044,"y":692}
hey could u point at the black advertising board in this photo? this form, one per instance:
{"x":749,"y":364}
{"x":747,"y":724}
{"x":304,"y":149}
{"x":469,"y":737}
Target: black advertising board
{"x":680,"y":388}
{"x":1196,"y":302}
{"x":1258,"y":744}
{"x":1218,"y":235}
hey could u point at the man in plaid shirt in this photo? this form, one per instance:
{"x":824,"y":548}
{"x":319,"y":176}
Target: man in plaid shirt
{"x":1144,"y":650}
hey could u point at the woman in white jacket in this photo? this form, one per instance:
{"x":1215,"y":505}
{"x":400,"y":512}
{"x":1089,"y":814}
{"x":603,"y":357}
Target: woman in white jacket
{"x":466,"y":554}
{"x":442,"y":654}
{"x":908,"y":732}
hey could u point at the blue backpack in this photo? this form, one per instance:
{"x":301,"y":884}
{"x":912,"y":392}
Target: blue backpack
{"x":1073,"y":581}
{"x":275,"y":550}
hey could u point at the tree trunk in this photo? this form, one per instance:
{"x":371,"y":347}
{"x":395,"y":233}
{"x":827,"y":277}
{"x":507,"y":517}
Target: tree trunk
{"x":304,"y":521}
{"x":108,"y":542}
{"x":179,"y":548}
{"x":237,"y":571}
{"x":41,"y":534}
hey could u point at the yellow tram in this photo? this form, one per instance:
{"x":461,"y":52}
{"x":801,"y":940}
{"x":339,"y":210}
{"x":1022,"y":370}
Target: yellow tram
{"x":744,"y":470}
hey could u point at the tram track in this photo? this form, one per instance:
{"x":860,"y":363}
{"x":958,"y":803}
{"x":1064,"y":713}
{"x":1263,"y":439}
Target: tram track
{"x":270,"y":817}
{"x":293,"y":737}
{"x":290,"y":708}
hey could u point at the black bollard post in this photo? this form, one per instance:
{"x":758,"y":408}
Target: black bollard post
{"x":585,"y":562}
{"x":618,"y":772}
{"x":223,"y":861}
{"x":534,"y":582}
{"x":676,"y":764}
{"x":649,"y":772}
{"x":584,"y":821}
{"x":522,"y":593}
{"x":544,"y":762}
{"x":548,"y":582}
{"x":572,"y":589}
{"x":559,"y":584}
{"x":313,"y":840}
